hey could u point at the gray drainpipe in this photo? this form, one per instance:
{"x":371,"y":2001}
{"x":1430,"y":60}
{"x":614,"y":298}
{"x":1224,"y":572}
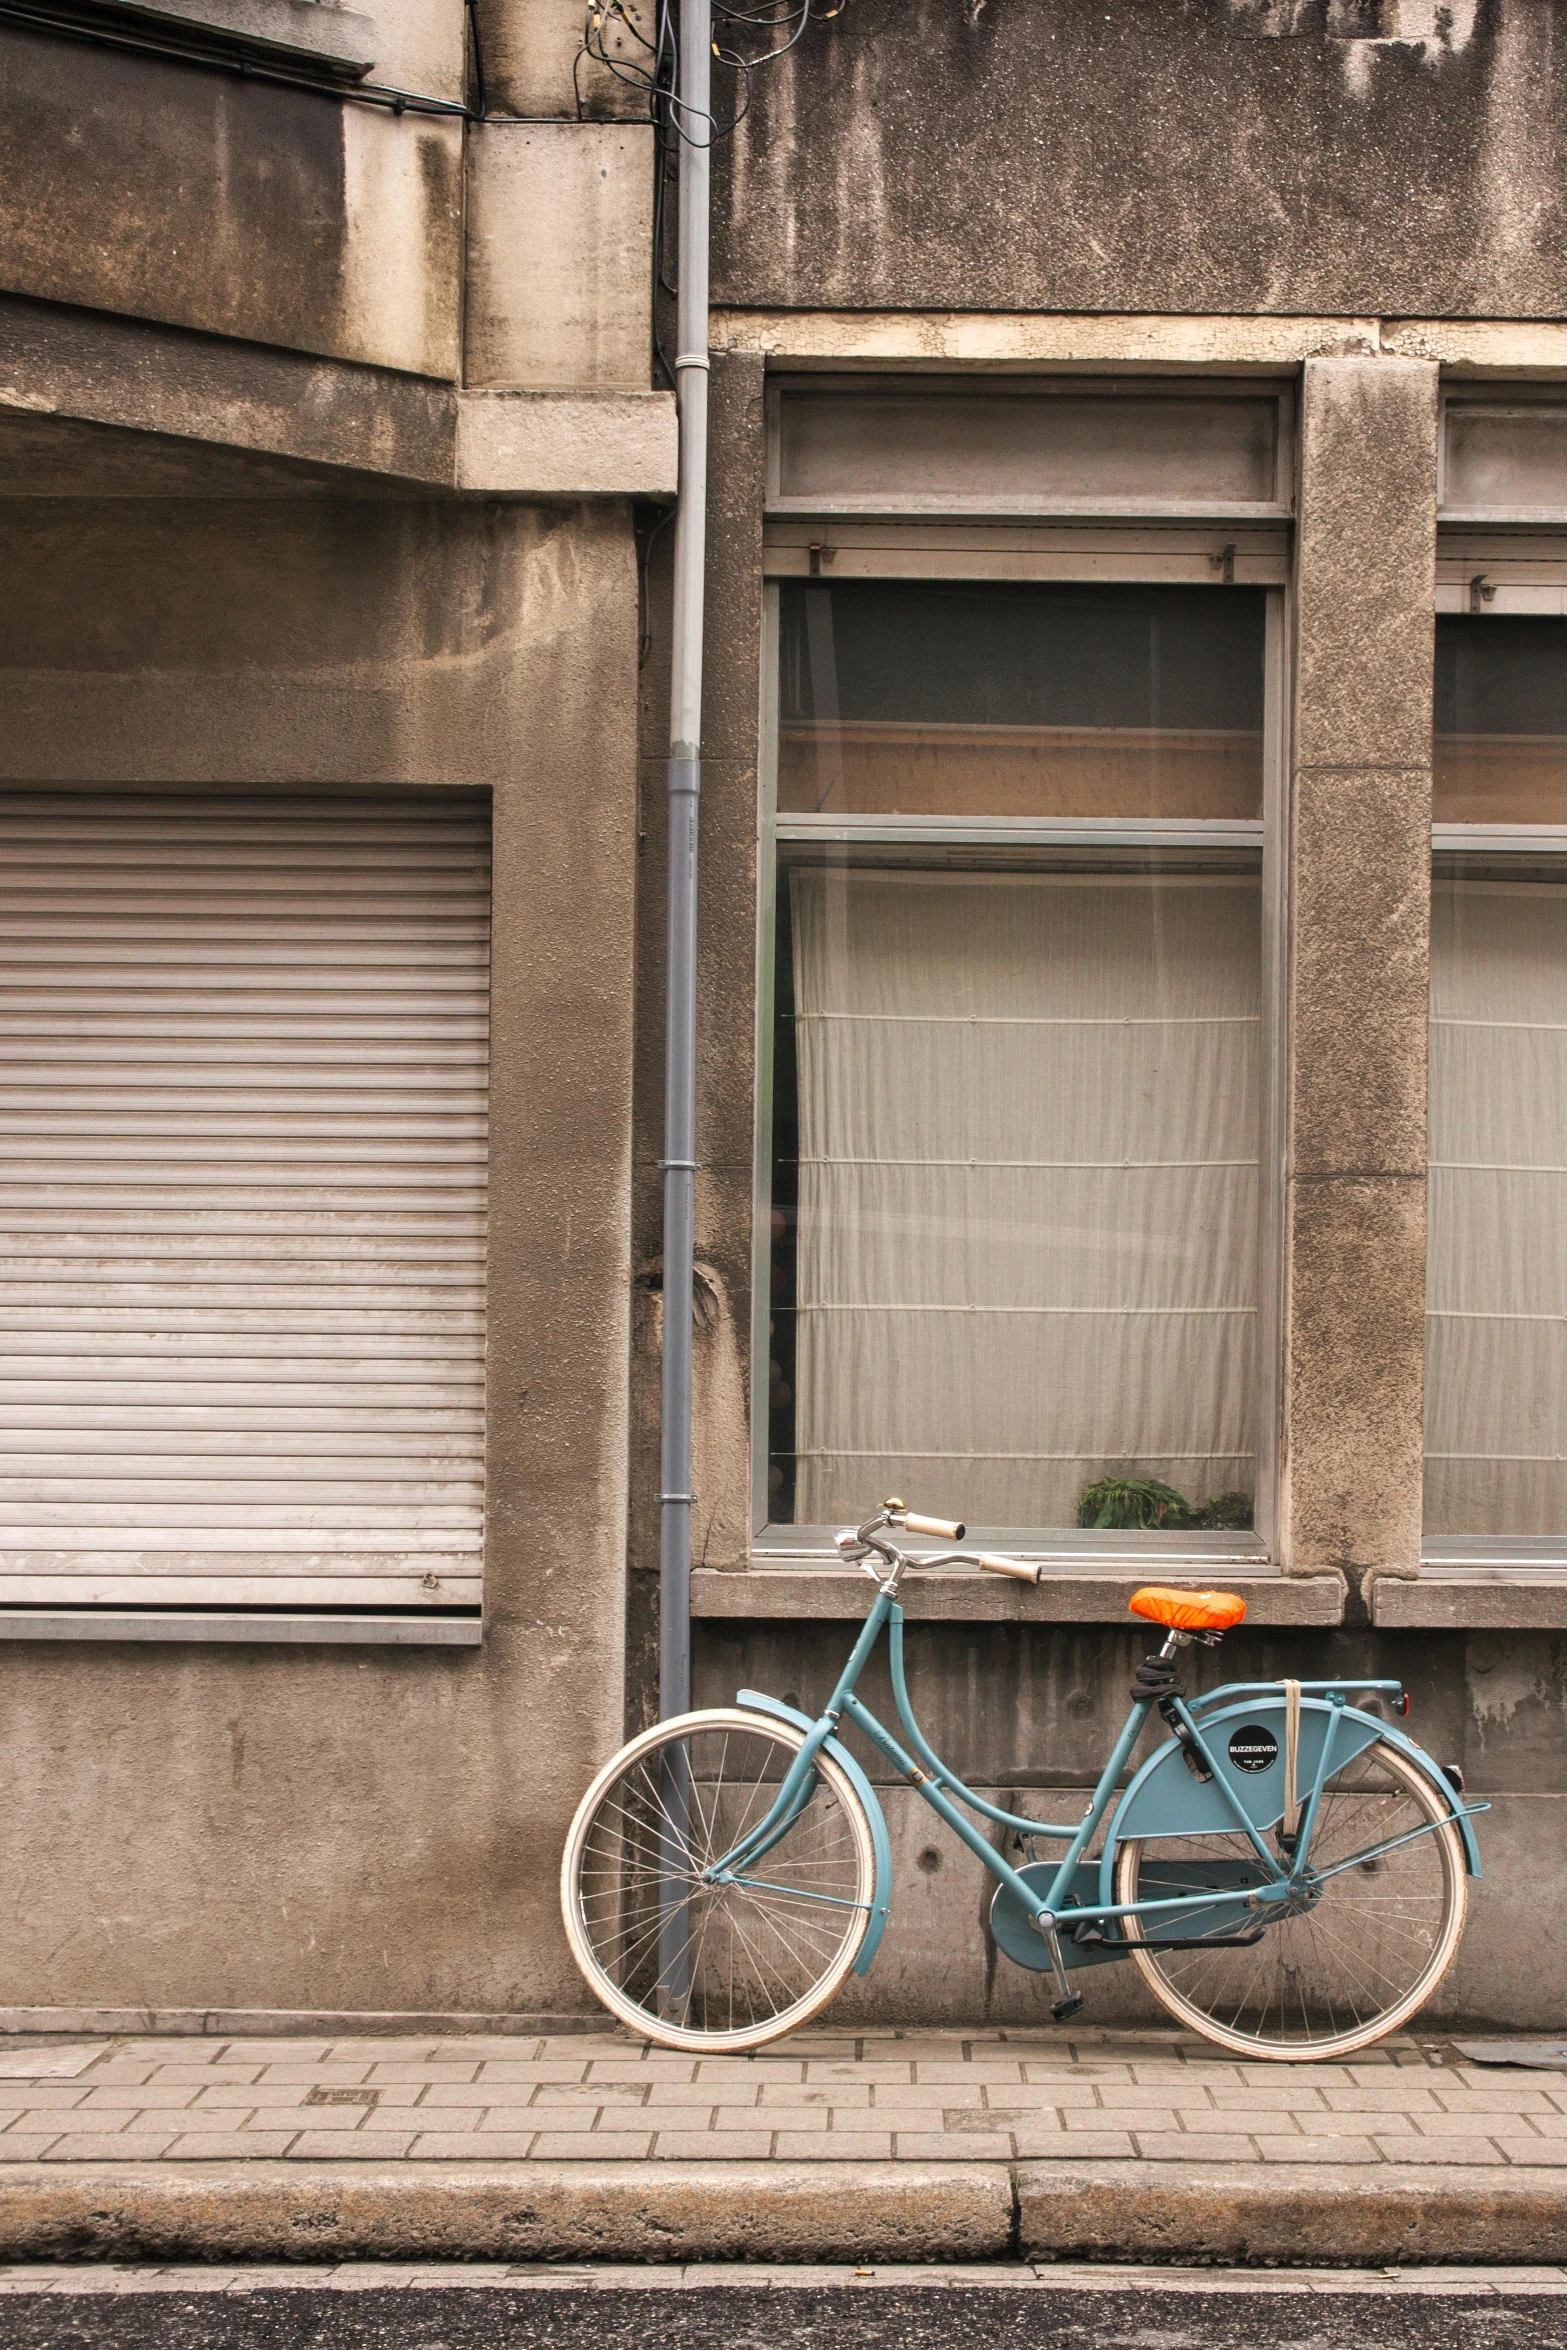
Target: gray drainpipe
{"x":693,"y":123}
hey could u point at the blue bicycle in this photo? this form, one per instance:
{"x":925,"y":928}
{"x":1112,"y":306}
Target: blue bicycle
{"x":1287,"y":1872}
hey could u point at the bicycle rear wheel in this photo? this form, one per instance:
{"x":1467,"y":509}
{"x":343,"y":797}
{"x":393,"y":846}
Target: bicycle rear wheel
{"x":1357,"y":1960}
{"x":709,"y":1967}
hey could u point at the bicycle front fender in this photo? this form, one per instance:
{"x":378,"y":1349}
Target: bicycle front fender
{"x":1164,"y":1799}
{"x":881,"y":1842}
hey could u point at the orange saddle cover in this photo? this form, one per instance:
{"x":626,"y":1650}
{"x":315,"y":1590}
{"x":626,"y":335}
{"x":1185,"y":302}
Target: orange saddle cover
{"x":1188,"y":1611}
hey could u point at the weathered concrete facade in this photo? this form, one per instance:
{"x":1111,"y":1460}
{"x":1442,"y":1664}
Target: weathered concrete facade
{"x":1205,"y":189}
{"x":327,"y":438}
{"x":275,"y":516}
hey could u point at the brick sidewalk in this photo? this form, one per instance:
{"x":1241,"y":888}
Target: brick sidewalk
{"x":993,"y":2097}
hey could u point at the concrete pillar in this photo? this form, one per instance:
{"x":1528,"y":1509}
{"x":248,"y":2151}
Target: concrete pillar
{"x":560,"y":229}
{"x":534,"y":63}
{"x":1360,"y":802}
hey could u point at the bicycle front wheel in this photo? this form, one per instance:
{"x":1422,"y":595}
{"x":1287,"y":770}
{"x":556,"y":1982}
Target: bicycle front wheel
{"x":710,"y":1967}
{"x":1365,"y":1950}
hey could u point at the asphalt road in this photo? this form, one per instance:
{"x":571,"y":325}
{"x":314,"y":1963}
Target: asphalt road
{"x":741,"y":2318}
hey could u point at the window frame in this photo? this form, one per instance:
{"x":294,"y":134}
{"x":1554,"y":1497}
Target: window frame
{"x":1210,"y":556}
{"x":1114,"y":392}
{"x":1525,"y":571}
{"x":1506,"y":403}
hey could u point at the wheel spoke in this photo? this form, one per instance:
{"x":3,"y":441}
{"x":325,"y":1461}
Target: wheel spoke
{"x":757,"y":1953}
{"x":1368,"y":1947}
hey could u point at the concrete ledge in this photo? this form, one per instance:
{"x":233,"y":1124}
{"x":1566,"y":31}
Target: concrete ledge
{"x":166,"y":397}
{"x":1522,"y":347}
{"x":86,"y":367}
{"x":1283,"y":2214}
{"x":1136,"y":343}
{"x":1089,"y":1596}
{"x":298,"y":2023}
{"x":568,"y":444}
{"x":310,"y":36}
{"x":1491,"y":1601}
{"x":1022,"y":339}
{"x":642,"y":2211}
{"x":259,"y":1629}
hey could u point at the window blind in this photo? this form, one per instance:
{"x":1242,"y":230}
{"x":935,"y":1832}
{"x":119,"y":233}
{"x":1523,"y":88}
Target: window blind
{"x":1496,"y":1328}
{"x":1027,"y":1252}
{"x":243,"y":1071}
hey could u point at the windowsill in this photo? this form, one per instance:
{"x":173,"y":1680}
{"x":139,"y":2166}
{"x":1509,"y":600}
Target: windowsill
{"x":1476,"y":1586}
{"x":1143,"y":1554}
{"x":219,"y":1627}
{"x":313,"y":37}
{"x":1045,"y":506}
{"x":1094,"y":1589}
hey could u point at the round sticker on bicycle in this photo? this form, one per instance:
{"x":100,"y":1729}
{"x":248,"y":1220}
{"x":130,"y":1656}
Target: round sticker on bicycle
{"x":1252,"y":1748}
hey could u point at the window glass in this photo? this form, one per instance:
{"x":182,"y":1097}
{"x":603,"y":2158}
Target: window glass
{"x":980,"y":699}
{"x":1496,"y":1327}
{"x":1496,"y":1343}
{"x":1017,"y":1107}
{"x":977,"y":450}
{"x":1500,"y":752}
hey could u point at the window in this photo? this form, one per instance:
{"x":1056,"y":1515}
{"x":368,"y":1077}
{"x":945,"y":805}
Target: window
{"x":1496,"y":1358}
{"x":245,"y":1051}
{"x":1020,"y":1070}
{"x":990,"y":446}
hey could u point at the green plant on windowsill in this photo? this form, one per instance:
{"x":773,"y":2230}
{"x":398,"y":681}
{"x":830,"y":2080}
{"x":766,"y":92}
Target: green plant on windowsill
{"x":1143,"y":1505}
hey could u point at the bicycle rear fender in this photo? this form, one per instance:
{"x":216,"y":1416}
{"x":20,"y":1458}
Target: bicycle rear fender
{"x":881,"y":1842}
{"x":1164,"y":1799}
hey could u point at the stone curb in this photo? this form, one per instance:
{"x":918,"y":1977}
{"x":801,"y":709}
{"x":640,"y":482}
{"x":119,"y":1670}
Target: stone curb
{"x":1293,"y":2214}
{"x":642,"y":2211}
{"x":817,"y":2212}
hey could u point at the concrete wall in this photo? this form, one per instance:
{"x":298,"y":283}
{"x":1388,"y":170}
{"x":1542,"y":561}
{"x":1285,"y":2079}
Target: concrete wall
{"x":1414,"y":175}
{"x":352,"y":1829}
{"x":294,"y":217}
{"x":188,"y":196}
{"x":1027,"y":1713}
{"x":532,"y":64}
{"x":559,"y":234}
{"x":1163,"y":155}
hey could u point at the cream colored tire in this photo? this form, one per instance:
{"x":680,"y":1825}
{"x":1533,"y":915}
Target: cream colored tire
{"x":1337,"y":1977}
{"x":712,"y":1968}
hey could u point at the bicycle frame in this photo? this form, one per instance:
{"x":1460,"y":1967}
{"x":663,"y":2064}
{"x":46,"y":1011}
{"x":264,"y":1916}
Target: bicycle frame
{"x":1051,"y":1911}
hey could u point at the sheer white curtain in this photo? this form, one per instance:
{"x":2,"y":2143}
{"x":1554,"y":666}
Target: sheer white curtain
{"x":1029,"y":1126}
{"x":1496,"y":1328}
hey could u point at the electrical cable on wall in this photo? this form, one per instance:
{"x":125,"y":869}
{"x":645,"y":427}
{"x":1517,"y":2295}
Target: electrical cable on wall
{"x":749,"y":39}
{"x":38,"y":16}
{"x":654,"y":73}
{"x":649,"y":63}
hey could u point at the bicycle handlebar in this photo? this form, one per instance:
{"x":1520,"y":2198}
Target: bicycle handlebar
{"x":859,"y":1543}
{"x":942,"y":1528}
{"x":1025,"y":1571}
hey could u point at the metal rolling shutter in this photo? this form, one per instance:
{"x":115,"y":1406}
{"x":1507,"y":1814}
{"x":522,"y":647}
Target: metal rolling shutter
{"x":243,"y":1073}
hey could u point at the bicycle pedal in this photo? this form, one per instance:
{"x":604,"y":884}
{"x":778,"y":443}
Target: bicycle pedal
{"x":1062,"y":2008}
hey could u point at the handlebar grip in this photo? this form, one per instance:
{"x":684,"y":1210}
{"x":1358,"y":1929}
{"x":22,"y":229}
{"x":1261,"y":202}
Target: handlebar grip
{"x":942,"y":1528}
{"x":1024,"y":1572}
